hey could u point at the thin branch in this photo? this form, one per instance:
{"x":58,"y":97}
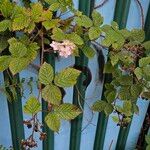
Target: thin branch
{"x":142,"y":13}
{"x":101,"y":4}
{"x":110,"y":145}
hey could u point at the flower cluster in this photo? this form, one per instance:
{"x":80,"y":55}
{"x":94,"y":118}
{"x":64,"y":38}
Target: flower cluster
{"x":64,"y":48}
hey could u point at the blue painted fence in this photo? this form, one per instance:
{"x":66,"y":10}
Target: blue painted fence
{"x":93,"y":93}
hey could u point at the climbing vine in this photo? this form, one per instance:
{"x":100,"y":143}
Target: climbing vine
{"x":37,"y":28}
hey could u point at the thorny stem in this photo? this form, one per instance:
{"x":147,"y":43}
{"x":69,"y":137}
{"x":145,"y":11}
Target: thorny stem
{"x":34,"y":117}
{"x":110,"y":145}
{"x":42,"y":44}
{"x":35,"y":36}
{"x":142,"y":13}
{"x":33,"y":126}
{"x":41,"y":60}
{"x":89,"y":120}
{"x":101,"y":4}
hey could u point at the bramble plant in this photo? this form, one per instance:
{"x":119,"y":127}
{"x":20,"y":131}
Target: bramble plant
{"x":41,"y":30}
{"x":147,"y":139}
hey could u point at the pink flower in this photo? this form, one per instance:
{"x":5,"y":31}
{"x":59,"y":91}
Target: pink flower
{"x":64,"y":49}
{"x":54,"y":45}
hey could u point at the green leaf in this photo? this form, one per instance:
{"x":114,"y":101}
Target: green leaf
{"x":84,"y":21}
{"x":125,"y":80}
{"x":146,"y":72}
{"x":147,"y":139}
{"x":20,"y":22}
{"x":54,"y":6}
{"x":138,"y":35}
{"x":146,"y":45}
{"x":127,"y":120}
{"x":3,"y":42}
{"x":88,"y":51}
{"x":136,"y":90}
{"x":144,"y":61}
{"x":148,"y":147}
{"x":37,"y":10}
{"x":108,"y":109}
{"x":99,"y":106}
{"x":46,"y":74}
{"x":52,"y":94}
{"x":135,"y":109}
{"x":138,"y":72}
{"x":32,"y":51}
{"x":97,"y":18}
{"x":109,"y":86}
{"x":76,"y":52}
{"x":114,"y":25}
{"x":16,"y":48}
{"x":4,"y":36}
{"x":108,"y":68}
{"x":127,"y":105}
{"x":30,"y":27}
{"x":67,"y":111}
{"x":111,"y":96}
{"x":67,"y":77}
{"x":115,"y":119}
{"x":94,"y":33}
{"x":4,"y":25}
{"x":4,"y":62}
{"x":32,"y":106}
{"x":6,"y":8}
{"x":113,"y":38}
{"x":53,"y":122}
{"x":125,"y":33}
{"x":146,"y":95}
{"x":124,"y":93}
{"x":18,"y":64}
{"x":49,"y":24}
{"x":58,"y":34}
{"x":50,"y":1}
{"x":46,"y":15}
{"x":75,"y":38}
{"x":114,"y":59}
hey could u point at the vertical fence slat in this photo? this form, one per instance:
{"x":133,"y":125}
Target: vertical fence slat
{"x":102,"y":122}
{"x":15,"y":114}
{"x":48,"y":144}
{"x":75,"y":137}
{"x":121,"y":12}
{"x":147,"y":25}
{"x":120,"y":16}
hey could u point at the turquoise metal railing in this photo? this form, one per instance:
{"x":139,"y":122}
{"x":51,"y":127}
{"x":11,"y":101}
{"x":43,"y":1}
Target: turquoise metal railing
{"x":15,"y":108}
{"x":86,"y":7}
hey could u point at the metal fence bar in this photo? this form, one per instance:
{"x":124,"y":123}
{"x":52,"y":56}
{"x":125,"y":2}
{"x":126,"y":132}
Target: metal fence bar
{"x":102,"y":122}
{"x":147,"y":25}
{"x":48,"y":144}
{"x":121,"y":12}
{"x":15,"y":113}
{"x":120,"y":16}
{"x":82,"y":61}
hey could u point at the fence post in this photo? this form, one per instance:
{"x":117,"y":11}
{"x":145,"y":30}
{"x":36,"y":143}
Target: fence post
{"x":15,"y":113}
{"x":86,"y":7}
{"x":48,"y":144}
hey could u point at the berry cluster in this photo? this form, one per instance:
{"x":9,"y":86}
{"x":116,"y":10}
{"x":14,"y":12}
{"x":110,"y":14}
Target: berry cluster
{"x":36,"y":126}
